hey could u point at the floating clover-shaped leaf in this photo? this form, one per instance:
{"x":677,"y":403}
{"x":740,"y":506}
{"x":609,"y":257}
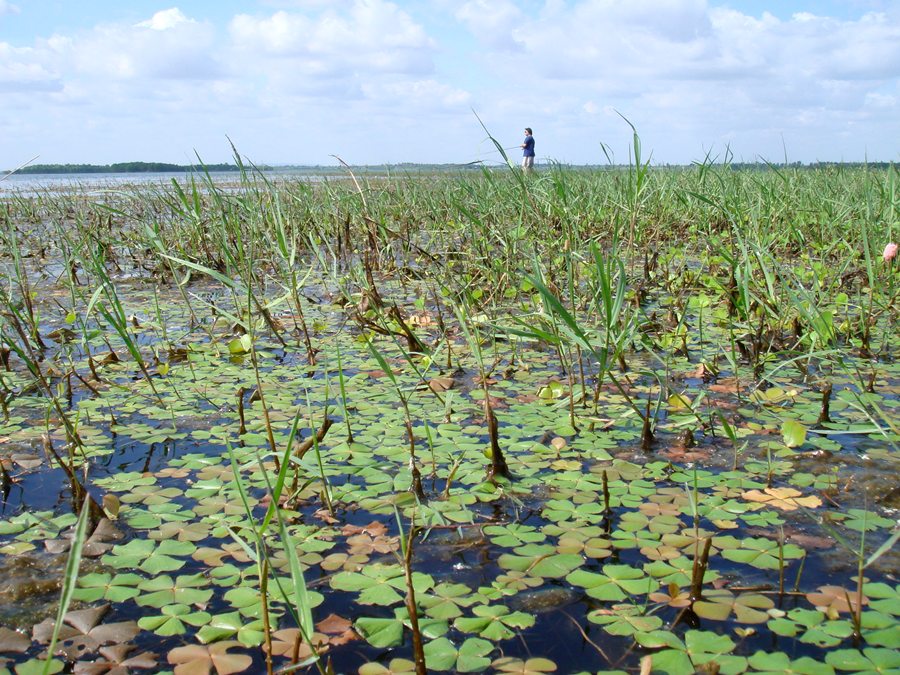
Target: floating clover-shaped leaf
{"x":148,"y":556}
{"x":287,"y":641}
{"x":779,"y":663}
{"x":116,"y":588}
{"x":697,"y":649}
{"x":380,"y":584}
{"x":186,"y":589}
{"x":446,"y":600}
{"x":557,"y":510}
{"x":204,"y":659}
{"x":674,"y":597}
{"x":835,"y":599}
{"x":615,"y":584}
{"x":533,"y":666}
{"x":182,"y":531}
{"x":117,"y":661}
{"x":691,"y":542}
{"x":784,"y":498}
{"x":884,"y":598}
{"x":494,"y":622}
{"x":83,"y":633}
{"x":762,"y":553}
{"x":880,"y":630}
{"x":343,"y":561}
{"x":394,"y":667}
{"x":869,"y":660}
{"x":595,"y":547}
{"x":546,"y":564}
{"x":866,"y":521}
{"x":796,"y":621}
{"x":718,"y":605}
{"x":171,"y":620}
{"x":150,"y":494}
{"x":513,"y":535}
{"x":388,"y":632}
{"x":512,"y":582}
{"x":380,"y":632}
{"x":249,"y":633}
{"x":625,"y":620}
{"x":470,"y":657}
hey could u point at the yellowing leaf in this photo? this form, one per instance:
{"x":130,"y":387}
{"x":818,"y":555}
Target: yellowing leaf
{"x":786,"y":499}
{"x":793,"y":433}
{"x":679,"y":402}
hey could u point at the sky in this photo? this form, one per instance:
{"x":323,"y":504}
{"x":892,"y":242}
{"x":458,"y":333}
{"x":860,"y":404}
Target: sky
{"x":378,"y":81}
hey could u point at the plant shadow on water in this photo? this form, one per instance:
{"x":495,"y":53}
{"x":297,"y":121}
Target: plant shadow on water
{"x":264,"y":389}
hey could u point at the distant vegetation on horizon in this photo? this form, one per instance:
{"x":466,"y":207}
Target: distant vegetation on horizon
{"x":163,"y":167}
{"x":122,"y":167}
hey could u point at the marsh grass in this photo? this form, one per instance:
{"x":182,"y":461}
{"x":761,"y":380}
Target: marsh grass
{"x":576,"y":281}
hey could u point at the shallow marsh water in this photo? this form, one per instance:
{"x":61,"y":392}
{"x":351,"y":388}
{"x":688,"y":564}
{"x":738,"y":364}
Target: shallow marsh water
{"x":526,"y":575}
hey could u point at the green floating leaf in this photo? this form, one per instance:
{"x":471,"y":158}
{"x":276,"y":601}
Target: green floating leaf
{"x":625,"y":621}
{"x":470,"y":657}
{"x":793,"y":433}
{"x":869,"y":660}
{"x":380,"y":632}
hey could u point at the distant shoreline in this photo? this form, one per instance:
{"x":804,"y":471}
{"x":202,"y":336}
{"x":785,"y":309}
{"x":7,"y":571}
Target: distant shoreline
{"x":163,"y":167}
{"x":122,"y":167}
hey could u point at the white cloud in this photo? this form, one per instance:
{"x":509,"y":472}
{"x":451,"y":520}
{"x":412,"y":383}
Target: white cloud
{"x":496,"y":23}
{"x":420,"y":94}
{"x":165,"y":20}
{"x":373,"y":35}
{"x":21,"y":70}
{"x":166,"y":46}
{"x":7,"y":7}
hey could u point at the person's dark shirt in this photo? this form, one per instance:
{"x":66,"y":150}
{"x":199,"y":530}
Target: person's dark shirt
{"x":529,"y":147}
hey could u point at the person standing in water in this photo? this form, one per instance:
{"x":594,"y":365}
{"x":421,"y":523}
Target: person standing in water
{"x":528,"y":151}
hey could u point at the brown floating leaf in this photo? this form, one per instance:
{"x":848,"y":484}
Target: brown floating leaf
{"x":56,"y":546}
{"x":374,"y":529}
{"x":85,"y":619}
{"x":118,"y":662}
{"x":680,"y":454}
{"x":325,"y":515}
{"x":674,"y":598}
{"x":338,"y":629}
{"x":333,"y":624}
{"x":201,"y":659}
{"x":12,"y":641}
{"x":423,"y":319}
{"x":439,"y":384}
{"x":784,"y":498}
{"x":27,"y":461}
{"x":83,"y":633}
{"x":364,"y":544}
{"x":111,"y":505}
{"x":835,"y":598}
{"x":43,"y":631}
{"x":809,"y":541}
{"x":286,"y":640}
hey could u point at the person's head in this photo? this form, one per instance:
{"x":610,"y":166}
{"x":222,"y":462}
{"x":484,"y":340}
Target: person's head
{"x":528,"y":131}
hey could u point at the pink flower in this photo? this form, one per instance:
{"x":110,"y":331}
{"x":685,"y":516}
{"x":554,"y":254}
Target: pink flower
{"x":890,"y":252}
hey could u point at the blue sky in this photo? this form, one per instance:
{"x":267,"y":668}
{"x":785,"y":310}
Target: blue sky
{"x":297,"y":81}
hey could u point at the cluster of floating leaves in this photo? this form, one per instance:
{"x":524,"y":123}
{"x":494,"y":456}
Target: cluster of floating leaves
{"x":169,"y":584}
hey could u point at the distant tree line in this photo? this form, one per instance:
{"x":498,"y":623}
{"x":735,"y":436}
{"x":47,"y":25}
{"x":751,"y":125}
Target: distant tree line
{"x":122,"y":167}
